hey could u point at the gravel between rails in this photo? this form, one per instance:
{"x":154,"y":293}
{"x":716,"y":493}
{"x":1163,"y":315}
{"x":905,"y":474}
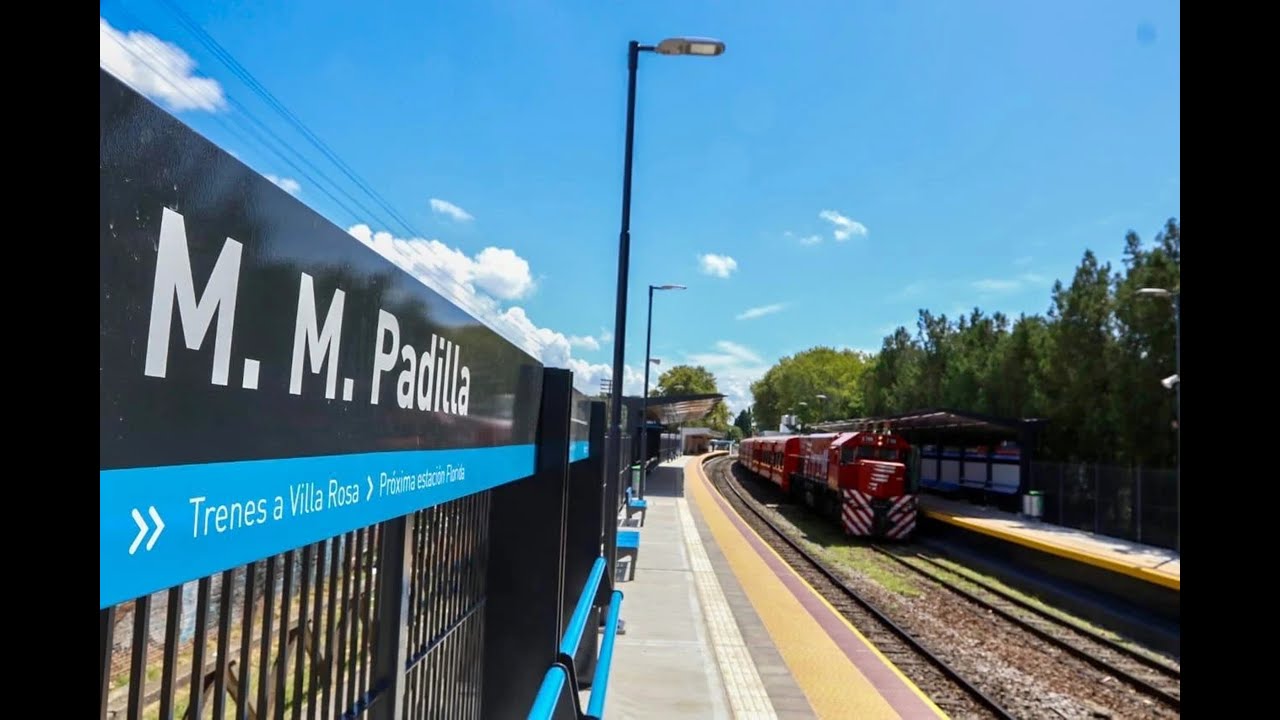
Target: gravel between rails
{"x":1161,"y":681}
{"x":1024,"y":674}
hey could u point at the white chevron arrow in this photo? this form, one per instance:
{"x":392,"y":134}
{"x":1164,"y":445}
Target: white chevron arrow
{"x":142,"y":529}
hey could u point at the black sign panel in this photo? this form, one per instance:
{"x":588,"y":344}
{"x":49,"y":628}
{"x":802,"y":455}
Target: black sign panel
{"x":267,"y":380}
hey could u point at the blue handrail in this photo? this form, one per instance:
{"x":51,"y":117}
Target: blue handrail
{"x":544,"y":705}
{"x":578,"y":622}
{"x":600,"y":681}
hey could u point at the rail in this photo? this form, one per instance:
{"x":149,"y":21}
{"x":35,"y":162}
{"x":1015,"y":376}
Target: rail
{"x":578,"y":622}
{"x":600,"y":682}
{"x":561,"y":672}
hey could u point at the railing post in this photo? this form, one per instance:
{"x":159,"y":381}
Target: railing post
{"x":391,"y":634}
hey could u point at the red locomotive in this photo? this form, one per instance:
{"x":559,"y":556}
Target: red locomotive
{"x":868,"y":479}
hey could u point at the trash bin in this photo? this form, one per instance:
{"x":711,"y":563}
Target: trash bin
{"x":1033,"y":504}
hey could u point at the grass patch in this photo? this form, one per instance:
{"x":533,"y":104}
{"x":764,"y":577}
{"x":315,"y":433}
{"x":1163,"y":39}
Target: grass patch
{"x":828,"y":541}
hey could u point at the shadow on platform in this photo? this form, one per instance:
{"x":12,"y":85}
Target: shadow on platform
{"x":665,"y":481}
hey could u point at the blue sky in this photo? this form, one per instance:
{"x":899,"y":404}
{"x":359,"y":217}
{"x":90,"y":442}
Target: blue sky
{"x":840,"y":166}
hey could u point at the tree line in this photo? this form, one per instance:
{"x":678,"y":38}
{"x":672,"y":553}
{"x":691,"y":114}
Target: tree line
{"x":1091,"y":365}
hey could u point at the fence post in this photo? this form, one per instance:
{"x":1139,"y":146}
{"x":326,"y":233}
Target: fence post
{"x":523,"y":607}
{"x":1137,"y":482}
{"x":107,"y":626}
{"x":391,"y":636}
{"x":1097,"y":497}
{"x":1062,"y":494}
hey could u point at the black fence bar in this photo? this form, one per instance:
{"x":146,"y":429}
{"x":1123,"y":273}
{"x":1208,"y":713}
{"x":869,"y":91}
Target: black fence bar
{"x":314,"y":632}
{"x":584,"y":532}
{"x":138,"y":669}
{"x":1130,"y":503}
{"x":525,"y":588}
{"x":107,"y":626}
{"x":395,"y":564}
{"x":195,"y":702}
{"x":169,"y":669}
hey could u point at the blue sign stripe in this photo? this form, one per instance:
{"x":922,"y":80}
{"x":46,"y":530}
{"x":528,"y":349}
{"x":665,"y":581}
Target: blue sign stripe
{"x":579,"y":450}
{"x":161,"y":526}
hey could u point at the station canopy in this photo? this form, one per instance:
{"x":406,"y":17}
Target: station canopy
{"x":943,"y":425}
{"x":676,"y":409}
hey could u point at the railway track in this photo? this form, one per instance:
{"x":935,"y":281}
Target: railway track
{"x":948,"y":688}
{"x":1003,"y":657}
{"x":1146,"y":674}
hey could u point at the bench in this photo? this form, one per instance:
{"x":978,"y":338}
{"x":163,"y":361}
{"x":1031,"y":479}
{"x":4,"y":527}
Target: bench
{"x":634,"y":506}
{"x":629,"y":547}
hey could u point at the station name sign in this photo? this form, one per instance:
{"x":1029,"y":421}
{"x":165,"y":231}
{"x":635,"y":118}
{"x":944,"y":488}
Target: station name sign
{"x":267,"y":380}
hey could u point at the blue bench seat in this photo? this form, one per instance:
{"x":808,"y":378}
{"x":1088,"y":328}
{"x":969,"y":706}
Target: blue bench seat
{"x":629,"y":546}
{"x":636,"y":506}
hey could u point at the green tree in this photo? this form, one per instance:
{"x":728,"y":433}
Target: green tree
{"x":1091,"y":366}
{"x":694,"y":380}
{"x":819,"y":384}
{"x":743,"y":422}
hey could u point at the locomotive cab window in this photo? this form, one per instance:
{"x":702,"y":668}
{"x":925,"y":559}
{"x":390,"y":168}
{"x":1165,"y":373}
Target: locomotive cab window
{"x":848,"y":454}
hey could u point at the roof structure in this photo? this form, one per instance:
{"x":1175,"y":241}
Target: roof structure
{"x":943,"y":425}
{"x":674,"y":409}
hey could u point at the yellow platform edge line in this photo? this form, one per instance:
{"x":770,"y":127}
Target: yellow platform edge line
{"x":707,"y":487}
{"x":1147,"y":574}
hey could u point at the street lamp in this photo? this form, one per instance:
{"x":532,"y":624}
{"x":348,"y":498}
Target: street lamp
{"x":1174,"y":381}
{"x":822,"y":413}
{"x":670,"y":46}
{"x":644,"y":413}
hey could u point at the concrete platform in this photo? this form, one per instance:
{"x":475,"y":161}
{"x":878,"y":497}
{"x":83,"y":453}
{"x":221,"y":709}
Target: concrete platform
{"x":1154,"y":565}
{"x":718,"y":627}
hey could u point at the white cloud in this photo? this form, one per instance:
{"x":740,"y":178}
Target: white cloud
{"x":735,"y":367}
{"x":584,"y":341}
{"x":287,"y":184}
{"x":476,"y":285}
{"x":503,"y":273}
{"x":471,"y":283}
{"x":587,"y":377}
{"x":844,"y":226}
{"x":994,"y":285}
{"x":160,"y":70}
{"x":755,"y":312}
{"x":909,"y":290}
{"x":806,"y":240}
{"x":1007,"y":285}
{"x":444,"y":207}
{"x":717,"y":265}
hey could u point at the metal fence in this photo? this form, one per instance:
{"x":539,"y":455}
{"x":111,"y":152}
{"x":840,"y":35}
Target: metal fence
{"x":452,"y":611}
{"x":293,"y":635}
{"x":1132,"y":503}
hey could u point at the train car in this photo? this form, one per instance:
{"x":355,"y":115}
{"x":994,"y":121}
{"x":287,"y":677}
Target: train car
{"x":867,"y":480}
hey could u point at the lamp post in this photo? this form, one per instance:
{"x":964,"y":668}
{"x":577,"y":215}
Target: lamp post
{"x":613,"y":450}
{"x":1175,"y":382}
{"x":644,"y":413}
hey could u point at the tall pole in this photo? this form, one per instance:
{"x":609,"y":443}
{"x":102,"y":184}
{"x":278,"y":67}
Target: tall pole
{"x":644,"y":414}
{"x":613,"y":452}
{"x":1177,"y":412}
